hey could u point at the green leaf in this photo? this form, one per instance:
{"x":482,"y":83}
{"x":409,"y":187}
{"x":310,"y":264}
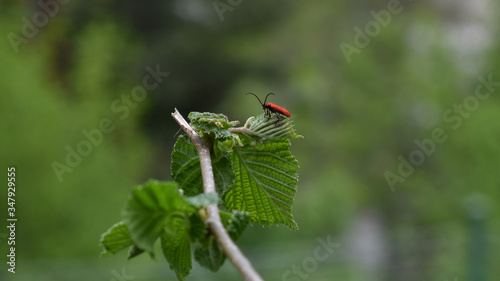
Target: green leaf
{"x":177,"y":248}
{"x":225,"y":217}
{"x":208,"y":123}
{"x":266,"y":182}
{"x":202,"y":200}
{"x":197,"y":228}
{"x":223,"y":174}
{"x":212,"y":257}
{"x":237,"y":224}
{"x":134,"y":251}
{"x":115,"y":239}
{"x":149,"y":208}
{"x":186,"y":170}
{"x":185,"y":166}
{"x":268,"y":128}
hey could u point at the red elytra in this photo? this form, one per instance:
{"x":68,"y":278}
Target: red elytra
{"x":277,"y":109}
{"x":272,"y":108}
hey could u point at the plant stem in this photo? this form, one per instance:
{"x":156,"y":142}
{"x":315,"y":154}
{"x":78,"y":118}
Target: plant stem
{"x":213,"y":221}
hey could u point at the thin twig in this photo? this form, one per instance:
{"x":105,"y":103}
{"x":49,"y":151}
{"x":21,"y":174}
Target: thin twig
{"x":213,"y":221}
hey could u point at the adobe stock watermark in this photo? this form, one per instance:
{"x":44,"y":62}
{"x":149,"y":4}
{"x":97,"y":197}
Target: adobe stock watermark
{"x":121,"y":107}
{"x":310,"y":264}
{"x":363,"y":37}
{"x":221,"y":7}
{"x":454,"y":118}
{"x":31,"y":27}
{"x":121,"y":277}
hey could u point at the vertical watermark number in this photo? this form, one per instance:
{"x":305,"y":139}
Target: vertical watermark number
{"x":11,"y":219}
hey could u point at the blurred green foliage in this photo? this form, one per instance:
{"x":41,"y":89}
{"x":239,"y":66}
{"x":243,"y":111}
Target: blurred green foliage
{"x":356,"y":117}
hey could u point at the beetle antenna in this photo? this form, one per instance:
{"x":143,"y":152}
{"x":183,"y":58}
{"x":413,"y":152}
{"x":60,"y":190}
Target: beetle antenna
{"x":256,"y":97}
{"x":268,"y":96}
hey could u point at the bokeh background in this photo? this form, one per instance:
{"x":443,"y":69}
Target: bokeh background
{"x":365,"y":82}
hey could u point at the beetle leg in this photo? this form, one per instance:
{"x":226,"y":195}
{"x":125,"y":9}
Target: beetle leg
{"x":278,"y":116}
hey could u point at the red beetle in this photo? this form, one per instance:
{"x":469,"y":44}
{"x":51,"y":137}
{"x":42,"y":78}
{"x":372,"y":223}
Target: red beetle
{"x":272,"y":108}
